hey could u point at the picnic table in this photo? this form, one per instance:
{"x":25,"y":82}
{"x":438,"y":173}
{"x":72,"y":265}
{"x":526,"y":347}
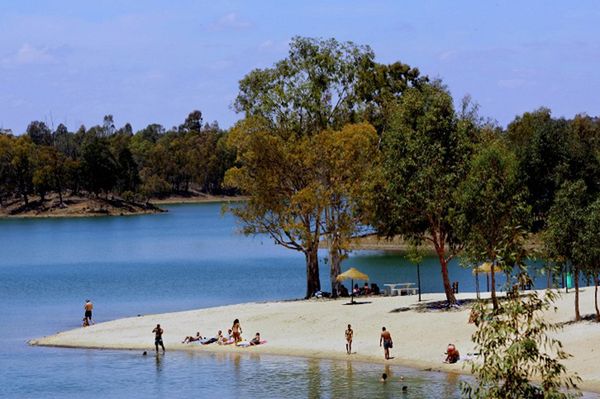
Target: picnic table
{"x":395,"y":289}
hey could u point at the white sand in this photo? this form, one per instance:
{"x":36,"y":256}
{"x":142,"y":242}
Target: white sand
{"x":315,"y":328}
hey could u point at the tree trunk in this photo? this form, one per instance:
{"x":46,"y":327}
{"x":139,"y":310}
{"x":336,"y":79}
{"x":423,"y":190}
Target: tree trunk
{"x":335,"y":267}
{"x":419,"y":279}
{"x":450,"y":298}
{"x":597,"y":282}
{"x":313,"y":282}
{"x":493,"y":288}
{"x":576,"y":278}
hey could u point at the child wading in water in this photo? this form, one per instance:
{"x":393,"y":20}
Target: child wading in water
{"x":349,"y":335}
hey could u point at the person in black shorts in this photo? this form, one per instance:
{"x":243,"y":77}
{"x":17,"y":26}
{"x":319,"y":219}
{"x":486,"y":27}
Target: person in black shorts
{"x":88,"y":307}
{"x":158,"y":332}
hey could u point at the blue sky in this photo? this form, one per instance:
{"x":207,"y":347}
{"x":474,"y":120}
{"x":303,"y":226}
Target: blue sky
{"x":148,"y":61}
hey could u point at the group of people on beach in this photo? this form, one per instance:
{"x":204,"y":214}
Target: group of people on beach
{"x":233,"y":336}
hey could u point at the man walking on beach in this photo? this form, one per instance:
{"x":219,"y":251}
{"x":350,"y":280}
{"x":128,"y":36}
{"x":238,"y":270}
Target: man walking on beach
{"x":386,"y":339}
{"x":349,"y":335}
{"x":88,"y":307}
{"x":158,"y":332}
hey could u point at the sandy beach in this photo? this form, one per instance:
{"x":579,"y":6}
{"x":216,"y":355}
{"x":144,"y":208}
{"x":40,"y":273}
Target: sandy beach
{"x":315,"y":328}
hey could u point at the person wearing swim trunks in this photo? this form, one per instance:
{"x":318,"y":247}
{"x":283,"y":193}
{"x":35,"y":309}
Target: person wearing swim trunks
{"x":88,"y":307}
{"x":236,"y":331}
{"x":386,"y":339}
{"x":158,"y":332}
{"x":349,"y":335}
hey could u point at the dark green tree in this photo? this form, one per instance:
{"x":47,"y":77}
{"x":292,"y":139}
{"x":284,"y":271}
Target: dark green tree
{"x":425,"y":157}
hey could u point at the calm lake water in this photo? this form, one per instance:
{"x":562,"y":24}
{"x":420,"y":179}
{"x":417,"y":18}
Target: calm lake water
{"x":190,"y":257}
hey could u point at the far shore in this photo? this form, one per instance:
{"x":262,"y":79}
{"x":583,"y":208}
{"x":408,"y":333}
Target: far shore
{"x":315,"y":328}
{"x":90,"y":206}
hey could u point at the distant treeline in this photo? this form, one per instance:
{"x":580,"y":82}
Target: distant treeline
{"x":103,"y":159}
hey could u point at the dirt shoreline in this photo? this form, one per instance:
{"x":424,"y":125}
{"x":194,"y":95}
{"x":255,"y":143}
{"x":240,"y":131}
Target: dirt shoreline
{"x":84,"y":206}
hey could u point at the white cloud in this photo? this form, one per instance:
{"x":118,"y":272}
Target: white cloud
{"x":29,"y":54}
{"x":231,"y":21}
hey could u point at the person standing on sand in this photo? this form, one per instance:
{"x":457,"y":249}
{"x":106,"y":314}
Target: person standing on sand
{"x":88,"y":307}
{"x":158,"y":332}
{"x":236,"y":331}
{"x":349,"y":335}
{"x":386,"y":339}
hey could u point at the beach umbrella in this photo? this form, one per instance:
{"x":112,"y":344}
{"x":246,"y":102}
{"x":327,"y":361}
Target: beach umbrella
{"x":352,"y":274}
{"x":485,"y":267}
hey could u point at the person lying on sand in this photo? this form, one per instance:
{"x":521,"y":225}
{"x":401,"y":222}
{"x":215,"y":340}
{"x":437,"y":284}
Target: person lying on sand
{"x":452,"y":355}
{"x":189,"y":338}
{"x":207,"y":341}
{"x":256,"y":339}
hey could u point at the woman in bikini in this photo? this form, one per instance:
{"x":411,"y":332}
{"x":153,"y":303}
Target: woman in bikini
{"x":236,"y":331}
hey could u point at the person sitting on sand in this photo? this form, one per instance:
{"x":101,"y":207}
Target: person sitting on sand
{"x":343,"y":291}
{"x":356,"y":290}
{"x":86,"y":322}
{"x":366,"y":290}
{"x":386,"y":339}
{"x":474,"y":317}
{"x":452,"y":355}
{"x":236,"y":331}
{"x":349,"y":334}
{"x":255,"y":340}
{"x":226,"y":339}
{"x":189,"y":339}
{"x":375,"y":289}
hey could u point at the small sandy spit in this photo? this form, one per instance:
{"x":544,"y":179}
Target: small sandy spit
{"x":315,"y":328}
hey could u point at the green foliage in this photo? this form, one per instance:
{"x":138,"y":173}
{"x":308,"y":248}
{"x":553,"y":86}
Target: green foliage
{"x":322,"y":84}
{"x":490,"y":203}
{"x":552,"y":151}
{"x":586,"y":251}
{"x":344,"y":160}
{"x":104,"y":159}
{"x":566,"y":220}
{"x":285,"y":198}
{"x":517,"y":358}
{"x":425,"y":153}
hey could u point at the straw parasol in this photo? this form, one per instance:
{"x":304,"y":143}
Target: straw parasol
{"x":352,"y":274}
{"x":485,"y":267}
